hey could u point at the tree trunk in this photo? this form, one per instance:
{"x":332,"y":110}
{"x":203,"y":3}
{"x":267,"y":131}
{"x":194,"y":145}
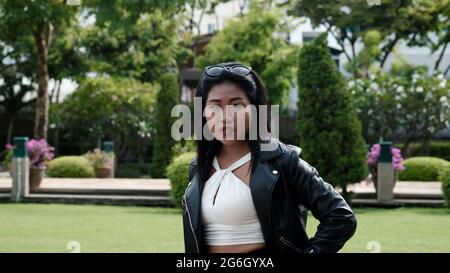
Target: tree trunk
{"x":10,"y":128}
{"x":387,"y":50}
{"x":425,"y":149}
{"x":438,"y":61}
{"x":56,"y":131}
{"x":41,"y":117}
{"x":405,"y":149}
{"x":446,"y":70}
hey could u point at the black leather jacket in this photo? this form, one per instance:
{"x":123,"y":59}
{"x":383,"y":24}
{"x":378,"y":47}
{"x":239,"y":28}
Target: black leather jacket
{"x":283,"y":187}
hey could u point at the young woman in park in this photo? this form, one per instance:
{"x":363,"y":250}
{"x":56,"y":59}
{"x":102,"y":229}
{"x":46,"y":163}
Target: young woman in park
{"x":244,"y":198}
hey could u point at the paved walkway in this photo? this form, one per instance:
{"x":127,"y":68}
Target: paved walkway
{"x":94,"y":183}
{"x":404,"y":187}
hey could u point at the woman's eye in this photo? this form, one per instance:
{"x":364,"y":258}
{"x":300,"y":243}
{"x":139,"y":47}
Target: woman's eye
{"x":212,"y":106}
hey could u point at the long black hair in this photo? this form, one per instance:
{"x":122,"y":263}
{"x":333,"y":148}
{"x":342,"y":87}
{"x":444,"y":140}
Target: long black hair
{"x":256,"y":93}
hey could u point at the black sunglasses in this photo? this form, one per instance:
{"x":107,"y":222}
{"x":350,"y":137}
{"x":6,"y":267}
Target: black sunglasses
{"x":216,"y":70}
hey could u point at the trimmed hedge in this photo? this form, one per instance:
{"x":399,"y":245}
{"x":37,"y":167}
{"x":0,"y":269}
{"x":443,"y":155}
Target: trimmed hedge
{"x":324,"y":102}
{"x":166,"y":99}
{"x":439,"y":149}
{"x":445,"y":178}
{"x":70,"y":167}
{"x":423,"y":169}
{"x":178,"y":173}
{"x":132,"y":170}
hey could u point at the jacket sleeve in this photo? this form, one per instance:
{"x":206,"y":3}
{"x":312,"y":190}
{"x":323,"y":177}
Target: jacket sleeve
{"x":337,"y":220}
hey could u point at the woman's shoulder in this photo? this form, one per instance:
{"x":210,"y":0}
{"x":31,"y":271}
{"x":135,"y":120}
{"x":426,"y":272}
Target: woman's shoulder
{"x":291,"y":159}
{"x":289,"y":149}
{"x":192,"y":167}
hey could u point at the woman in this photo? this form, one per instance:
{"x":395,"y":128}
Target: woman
{"x":242,"y":198}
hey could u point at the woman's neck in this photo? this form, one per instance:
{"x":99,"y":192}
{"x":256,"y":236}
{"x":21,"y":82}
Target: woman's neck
{"x":237,"y":149}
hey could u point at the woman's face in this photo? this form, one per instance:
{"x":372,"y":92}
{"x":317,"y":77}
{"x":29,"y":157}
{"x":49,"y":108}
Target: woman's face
{"x":227,"y":112}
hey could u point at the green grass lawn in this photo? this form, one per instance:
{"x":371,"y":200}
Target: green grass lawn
{"x":50,"y":228}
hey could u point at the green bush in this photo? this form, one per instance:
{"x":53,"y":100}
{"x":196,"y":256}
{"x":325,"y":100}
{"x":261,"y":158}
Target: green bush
{"x":121,"y":108}
{"x":183,"y":146}
{"x":445,"y":178}
{"x":70,"y":167}
{"x":132,"y":170}
{"x":422,"y":169}
{"x":440,"y":149}
{"x":178,"y":173}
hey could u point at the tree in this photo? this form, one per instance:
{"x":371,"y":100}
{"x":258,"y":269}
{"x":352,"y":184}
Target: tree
{"x":395,"y":20}
{"x":39,"y":20}
{"x":255,"y":40}
{"x":12,"y":97}
{"x":330,"y":133}
{"x":404,"y":104}
{"x":17,"y":67}
{"x":364,"y":61}
{"x":433,"y":33}
{"x":166,"y":99}
{"x":134,"y":41}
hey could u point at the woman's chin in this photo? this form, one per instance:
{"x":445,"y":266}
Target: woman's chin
{"x":227,"y":140}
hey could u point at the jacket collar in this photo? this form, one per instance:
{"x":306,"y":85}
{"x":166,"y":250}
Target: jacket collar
{"x":270,"y":150}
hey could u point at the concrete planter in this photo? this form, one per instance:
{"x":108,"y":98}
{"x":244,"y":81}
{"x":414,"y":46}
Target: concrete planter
{"x":10,"y":168}
{"x":103,"y":172}
{"x":36,"y":176}
{"x":375,"y":180}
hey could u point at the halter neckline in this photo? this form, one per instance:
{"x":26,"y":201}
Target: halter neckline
{"x":233,"y":166}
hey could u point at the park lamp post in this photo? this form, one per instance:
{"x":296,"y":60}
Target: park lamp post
{"x":20,"y":186}
{"x":108,"y":147}
{"x":385,"y":175}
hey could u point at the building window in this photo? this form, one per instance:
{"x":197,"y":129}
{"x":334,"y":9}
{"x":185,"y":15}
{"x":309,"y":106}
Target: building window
{"x":211,"y":28}
{"x":309,"y":36}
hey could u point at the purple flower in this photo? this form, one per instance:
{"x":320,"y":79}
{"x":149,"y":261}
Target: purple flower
{"x":372,"y":157}
{"x":8,"y":146}
{"x":39,"y":153}
{"x":374,"y":154}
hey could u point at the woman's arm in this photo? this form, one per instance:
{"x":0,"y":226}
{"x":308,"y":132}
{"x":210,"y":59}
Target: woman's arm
{"x":337,"y":221}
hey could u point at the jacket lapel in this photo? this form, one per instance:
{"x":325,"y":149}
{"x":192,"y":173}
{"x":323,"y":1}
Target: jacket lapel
{"x":262,"y":183}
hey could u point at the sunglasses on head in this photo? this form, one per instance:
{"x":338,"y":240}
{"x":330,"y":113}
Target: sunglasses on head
{"x":216,"y":70}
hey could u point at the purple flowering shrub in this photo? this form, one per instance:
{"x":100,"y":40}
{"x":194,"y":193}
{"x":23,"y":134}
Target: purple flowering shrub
{"x":39,"y":153}
{"x":397,"y":159}
{"x":374,"y":155}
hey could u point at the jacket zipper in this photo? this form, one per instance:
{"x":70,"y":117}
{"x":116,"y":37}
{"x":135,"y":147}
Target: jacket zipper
{"x":192,"y":228}
{"x":189,"y":217}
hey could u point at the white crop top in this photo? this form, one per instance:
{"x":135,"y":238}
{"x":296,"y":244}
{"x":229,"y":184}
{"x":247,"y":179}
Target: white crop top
{"x":231,"y":218}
